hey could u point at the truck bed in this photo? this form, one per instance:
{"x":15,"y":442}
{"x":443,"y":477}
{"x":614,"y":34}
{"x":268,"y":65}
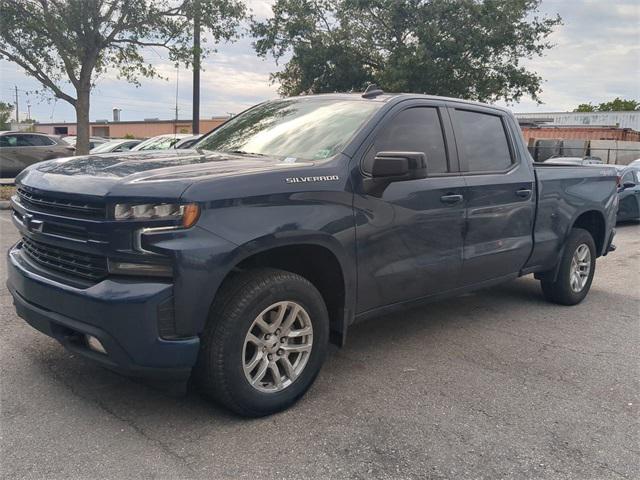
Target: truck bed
{"x":563,"y":192}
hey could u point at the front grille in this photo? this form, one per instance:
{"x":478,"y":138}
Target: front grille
{"x":91,"y":267}
{"x":61,"y":206}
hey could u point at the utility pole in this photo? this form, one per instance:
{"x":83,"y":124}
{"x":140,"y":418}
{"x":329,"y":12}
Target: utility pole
{"x":195,"y":126}
{"x":17,"y":106}
{"x":175,"y":121}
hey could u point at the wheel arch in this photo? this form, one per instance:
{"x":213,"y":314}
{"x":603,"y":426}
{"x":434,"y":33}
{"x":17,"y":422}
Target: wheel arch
{"x":321,"y":259}
{"x":594,"y":222}
{"x":590,"y":220}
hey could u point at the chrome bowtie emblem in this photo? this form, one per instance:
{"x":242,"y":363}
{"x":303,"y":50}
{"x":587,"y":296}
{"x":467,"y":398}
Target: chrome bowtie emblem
{"x":32,"y":224}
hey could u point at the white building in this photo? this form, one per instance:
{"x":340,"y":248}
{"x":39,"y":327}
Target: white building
{"x":629,"y":119}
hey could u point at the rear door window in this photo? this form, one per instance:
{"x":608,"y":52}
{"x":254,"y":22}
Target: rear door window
{"x":416,"y":129}
{"x":482,"y":141}
{"x":23,"y":141}
{"x":38,"y":140}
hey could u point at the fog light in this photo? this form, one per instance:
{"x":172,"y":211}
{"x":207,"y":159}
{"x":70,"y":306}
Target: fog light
{"x":94,"y":344}
{"x":130,"y":268}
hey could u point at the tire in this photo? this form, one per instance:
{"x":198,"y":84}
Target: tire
{"x":227,"y":352}
{"x":566,"y":290}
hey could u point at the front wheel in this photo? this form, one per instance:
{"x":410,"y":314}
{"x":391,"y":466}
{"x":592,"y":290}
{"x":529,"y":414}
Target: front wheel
{"x":264,"y":342}
{"x":576,"y":270}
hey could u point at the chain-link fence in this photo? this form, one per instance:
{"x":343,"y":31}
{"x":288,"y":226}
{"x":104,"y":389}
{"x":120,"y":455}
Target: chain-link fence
{"x":542,"y":150}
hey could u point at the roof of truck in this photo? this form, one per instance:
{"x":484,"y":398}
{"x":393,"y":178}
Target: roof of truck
{"x":388,"y":96}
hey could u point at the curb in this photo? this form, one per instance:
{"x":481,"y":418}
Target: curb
{"x":5,"y":205}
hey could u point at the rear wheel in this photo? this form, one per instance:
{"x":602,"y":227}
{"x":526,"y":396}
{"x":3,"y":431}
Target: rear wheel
{"x":576,"y":270}
{"x":264,"y":342}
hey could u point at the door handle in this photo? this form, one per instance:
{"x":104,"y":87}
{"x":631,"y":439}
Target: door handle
{"x":451,"y":199}
{"x":524,"y":192}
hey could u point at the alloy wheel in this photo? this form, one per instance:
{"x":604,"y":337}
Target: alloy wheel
{"x":277,"y":346}
{"x":580,"y":268}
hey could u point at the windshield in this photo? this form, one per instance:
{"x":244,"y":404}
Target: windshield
{"x":105,"y":147}
{"x":304,"y":128}
{"x":161,"y":143}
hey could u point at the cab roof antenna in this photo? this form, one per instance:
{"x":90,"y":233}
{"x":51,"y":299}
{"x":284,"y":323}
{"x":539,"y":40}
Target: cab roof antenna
{"x":372,"y":91}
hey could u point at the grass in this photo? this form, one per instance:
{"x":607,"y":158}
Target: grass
{"x":6,"y":191}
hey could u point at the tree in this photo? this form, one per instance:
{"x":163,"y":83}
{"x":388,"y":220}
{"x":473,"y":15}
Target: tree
{"x":466,"y":48}
{"x":585,"y":107}
{"x":616,"y":105}
{"x":71,"y":43}
{"x":5,"y":114}
{"x":619,"y":105}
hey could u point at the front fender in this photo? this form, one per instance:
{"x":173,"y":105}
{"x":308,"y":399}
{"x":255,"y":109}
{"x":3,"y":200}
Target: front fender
{"x":345,"y":259}
{"x":203,"y":260}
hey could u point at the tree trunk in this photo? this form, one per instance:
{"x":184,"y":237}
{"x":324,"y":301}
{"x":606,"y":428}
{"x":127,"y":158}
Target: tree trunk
{"x":82,"y":121}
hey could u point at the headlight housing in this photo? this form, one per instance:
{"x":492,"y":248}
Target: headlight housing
{"x":187,"y":213}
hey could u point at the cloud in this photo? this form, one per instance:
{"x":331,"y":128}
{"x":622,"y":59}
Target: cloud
{"x":596,"y":58}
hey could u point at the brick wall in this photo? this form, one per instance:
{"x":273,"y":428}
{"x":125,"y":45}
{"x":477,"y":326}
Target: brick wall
{"x":581,"y":133}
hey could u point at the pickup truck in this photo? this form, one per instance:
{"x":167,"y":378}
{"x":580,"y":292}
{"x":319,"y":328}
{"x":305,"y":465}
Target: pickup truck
{"x":235,"y":263}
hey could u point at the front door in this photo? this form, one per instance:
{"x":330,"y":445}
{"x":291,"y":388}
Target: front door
{"x":409,"y":235}
{"x":499,"y":194}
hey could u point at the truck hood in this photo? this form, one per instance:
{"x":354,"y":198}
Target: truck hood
{"x":161,"y":173}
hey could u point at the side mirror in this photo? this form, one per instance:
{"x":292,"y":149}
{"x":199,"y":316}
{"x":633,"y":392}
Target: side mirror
{"x":628,"y":185}
{"x":399,"y":166}
{"x":391,"y":167}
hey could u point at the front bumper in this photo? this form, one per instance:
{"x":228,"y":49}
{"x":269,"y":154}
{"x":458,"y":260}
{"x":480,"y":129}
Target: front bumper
{"x":121,"y":313}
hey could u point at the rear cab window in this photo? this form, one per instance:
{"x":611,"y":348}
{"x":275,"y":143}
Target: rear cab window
{"x":482,"y":140}
{"x":415,"y":129}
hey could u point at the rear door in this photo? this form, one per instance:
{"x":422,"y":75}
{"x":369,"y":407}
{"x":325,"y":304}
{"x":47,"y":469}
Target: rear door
{"x":499,"y":194}
{"x":409,"y":236}
{"x":42,"y":147}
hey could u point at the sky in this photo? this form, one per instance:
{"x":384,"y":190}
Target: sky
{"x":596,"y":58}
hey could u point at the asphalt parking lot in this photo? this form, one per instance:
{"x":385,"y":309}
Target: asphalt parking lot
{"x":495,"y":384}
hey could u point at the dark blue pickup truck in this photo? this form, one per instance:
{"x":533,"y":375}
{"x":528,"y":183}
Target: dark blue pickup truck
{"x":235,"y":263}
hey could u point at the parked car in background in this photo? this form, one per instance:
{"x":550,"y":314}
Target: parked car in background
{"x":574,"y":161}
{"x":161,"y":142}
{"x":635,"y":163}
{"x":93,"y":141}
{"x":18,"y":150}
{"x":119,"y":145}
{"x":188,"y":142}
{"x":628,"y":193}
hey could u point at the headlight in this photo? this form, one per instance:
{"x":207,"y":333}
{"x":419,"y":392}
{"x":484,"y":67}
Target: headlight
{"x":163,"y":211}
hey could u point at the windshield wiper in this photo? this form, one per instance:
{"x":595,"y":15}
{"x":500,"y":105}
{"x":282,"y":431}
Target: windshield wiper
{"x":242,"y":152}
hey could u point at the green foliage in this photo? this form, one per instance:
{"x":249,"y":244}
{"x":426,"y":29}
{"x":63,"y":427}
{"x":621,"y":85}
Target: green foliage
{"x":585,"y":107}
{"x":5,"y":115}
{"x":67,"y":45}
{"x":619,"y":105}
{"x":129,"y":136}
{"x":465,"y":48}
{"x":616,"y":105}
